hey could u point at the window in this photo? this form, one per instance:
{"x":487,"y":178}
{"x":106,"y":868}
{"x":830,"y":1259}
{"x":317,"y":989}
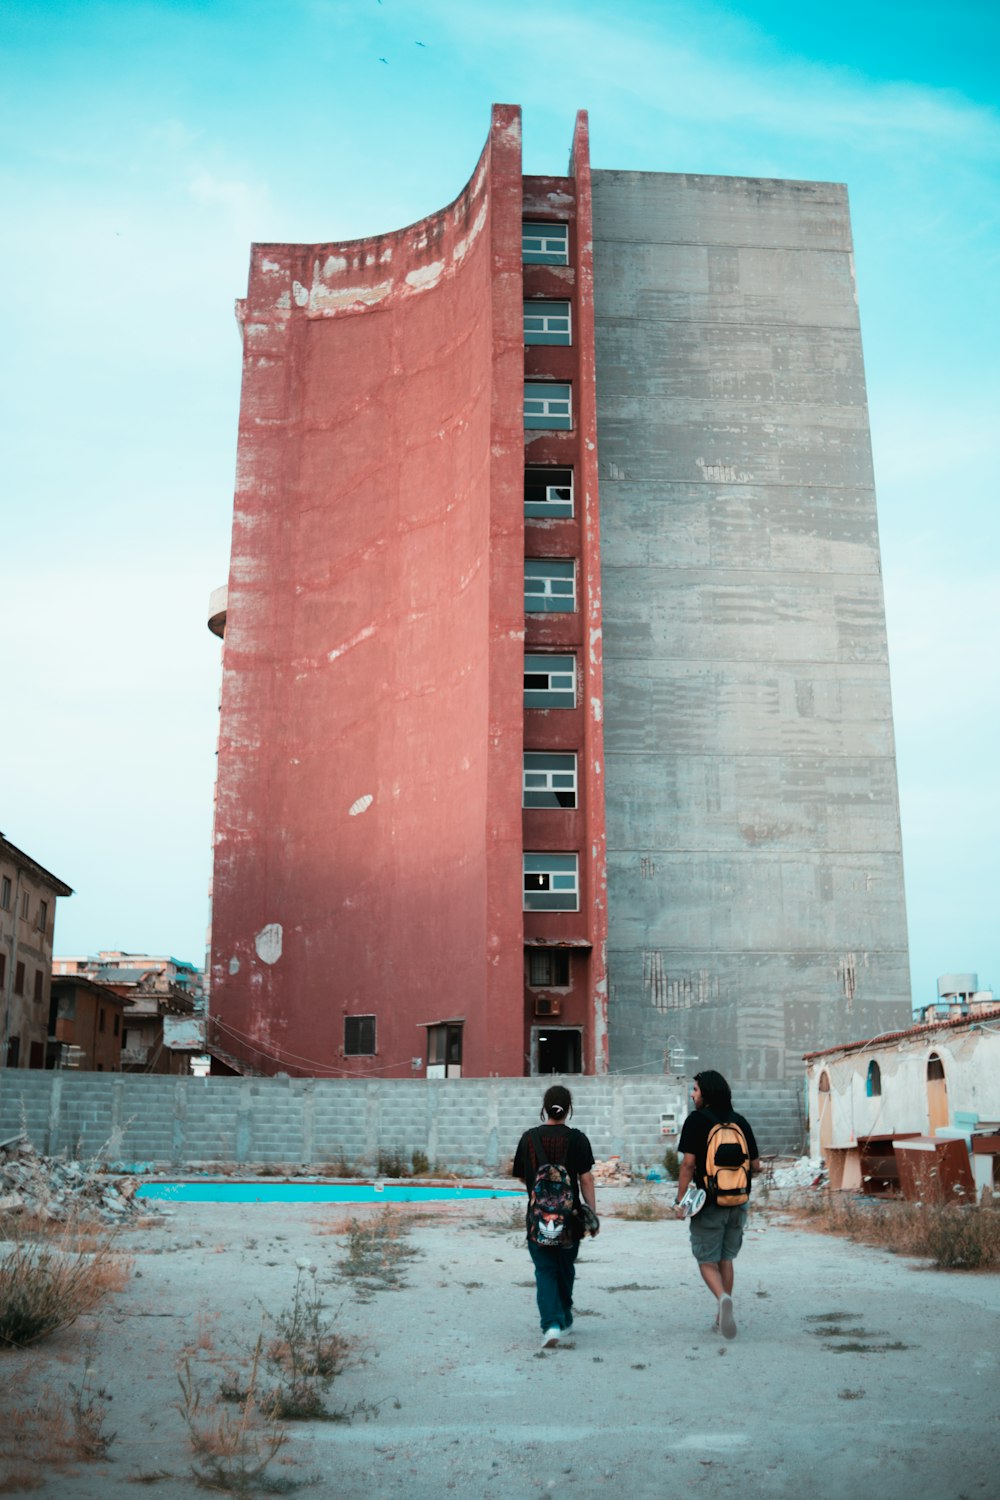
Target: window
{"x":25,"y":905}
{"x":118,"y":1021}
{"x":549,"y":780}
{"x":873,"y":1084}
{"x":39,"y":982}
{"x":545,"y":244}
{"x":5,"y":893}
{"x":548,"y":969}
{"x":550,"y":682}
{"x":547,"y":323}
{"x":19,"y":978}
{"x":359,"y":1036}
{"x":548,"y":492}
{"x":549,"y":585}
{"x":551,"y":882}
{"x":548,"y":404}
{"x":43,"y":915}
{"x":13,"y":1051}
{"x":100,"y":1018}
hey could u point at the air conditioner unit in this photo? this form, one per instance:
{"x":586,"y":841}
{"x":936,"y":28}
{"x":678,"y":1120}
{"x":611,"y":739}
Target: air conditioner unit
{"x":548,"y":1005}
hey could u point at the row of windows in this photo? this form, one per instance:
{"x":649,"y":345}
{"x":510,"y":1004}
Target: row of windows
{"x":6,"y":902}
{"x":20,"y":979}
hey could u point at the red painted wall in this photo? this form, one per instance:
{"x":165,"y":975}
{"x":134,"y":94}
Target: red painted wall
{"x":368,"y":833}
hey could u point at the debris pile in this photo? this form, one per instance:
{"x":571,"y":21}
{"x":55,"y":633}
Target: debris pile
{"x":612,"y":1171}
{"x":806,"y":1171}
{"x":48,"y":1187}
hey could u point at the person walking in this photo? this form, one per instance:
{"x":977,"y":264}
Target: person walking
{"x":719,"y":1154}
{"x":554,"y":1162}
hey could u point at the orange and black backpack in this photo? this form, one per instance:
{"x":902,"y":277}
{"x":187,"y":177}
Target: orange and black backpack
{"x":727,"y":1164}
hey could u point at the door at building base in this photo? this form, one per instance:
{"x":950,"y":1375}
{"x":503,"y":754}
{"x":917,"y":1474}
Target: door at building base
{"x":557,"y":1049}
{"x":444,"y":1051}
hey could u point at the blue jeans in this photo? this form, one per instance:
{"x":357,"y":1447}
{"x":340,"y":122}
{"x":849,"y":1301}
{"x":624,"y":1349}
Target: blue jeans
{"x":555,"y":1271}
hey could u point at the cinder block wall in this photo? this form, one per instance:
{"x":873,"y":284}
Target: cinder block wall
{"x":464,"y":1125}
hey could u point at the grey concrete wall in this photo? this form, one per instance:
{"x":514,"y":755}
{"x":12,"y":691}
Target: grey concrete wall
{"x":464,"y":1125}
{"x":755,"y":873}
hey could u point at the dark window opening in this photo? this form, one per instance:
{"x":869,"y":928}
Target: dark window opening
{"x":359,"y":1036}
{"x":19,"y":978}
{"x":560,"y":1051}
{"x":39,"y":983}
{"x":873,"y":1086}
{"x":548,"y":969}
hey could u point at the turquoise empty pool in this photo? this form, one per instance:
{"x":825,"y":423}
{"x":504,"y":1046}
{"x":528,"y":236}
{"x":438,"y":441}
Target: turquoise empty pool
{"x":312,"y":1192}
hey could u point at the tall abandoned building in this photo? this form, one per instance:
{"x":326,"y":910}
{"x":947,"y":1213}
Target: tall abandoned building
{"x":556,"y":732}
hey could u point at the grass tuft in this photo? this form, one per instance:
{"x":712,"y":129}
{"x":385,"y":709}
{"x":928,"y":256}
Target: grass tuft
{"x":953,"y":1236}
{"x":47,"y":1283}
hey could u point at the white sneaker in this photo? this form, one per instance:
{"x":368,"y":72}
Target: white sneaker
{"x":551,"y":1338}
{"x":727,"y":1321}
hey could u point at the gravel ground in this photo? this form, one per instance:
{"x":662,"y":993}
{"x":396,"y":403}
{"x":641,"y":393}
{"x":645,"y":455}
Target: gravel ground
{"x":854,"y":1370}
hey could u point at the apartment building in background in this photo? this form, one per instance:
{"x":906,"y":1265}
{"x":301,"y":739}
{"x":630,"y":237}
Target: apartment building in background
{"x":555,"y":725}
{"x":28,"y":895}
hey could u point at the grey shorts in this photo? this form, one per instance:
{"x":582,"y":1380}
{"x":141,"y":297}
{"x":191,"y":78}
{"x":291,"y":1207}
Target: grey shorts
{"x":717,"y":1233}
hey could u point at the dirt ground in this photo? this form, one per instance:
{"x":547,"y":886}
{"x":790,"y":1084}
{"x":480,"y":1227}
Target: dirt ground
{"x":854,"y":1371}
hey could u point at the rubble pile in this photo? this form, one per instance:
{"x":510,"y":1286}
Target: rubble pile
{"x":612,"y":1171}
{"x":806,"y":1171}
{"x":49,"y":1187}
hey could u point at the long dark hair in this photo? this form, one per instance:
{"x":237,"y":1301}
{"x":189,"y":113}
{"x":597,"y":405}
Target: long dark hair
{"x":716,"y":1094}
{"x":557,"y":1104}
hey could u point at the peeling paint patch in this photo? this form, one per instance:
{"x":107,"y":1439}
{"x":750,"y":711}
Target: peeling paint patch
{"x":462,"y":247}
{"x":334,"y":264}
{"x":361,"y":805}
{"x":284,"y":301}
{"x":268,"y":943}
{"x":234,"y":966}
{"x":271,"y":265}
{"x":355,"y":640}
{"x":425,"y":276}
{"x":597,"y":709}
{"x":300,"y":293}
{"x":324,"y":300}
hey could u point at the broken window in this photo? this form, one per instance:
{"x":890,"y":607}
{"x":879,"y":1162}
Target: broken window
{"x":359,"y":1036}
{"x":548,"y":492}
{"x":549,"y":585}
{"x":548,"y":780}
{"x":550,"y":682}
{"x":551,"y":882}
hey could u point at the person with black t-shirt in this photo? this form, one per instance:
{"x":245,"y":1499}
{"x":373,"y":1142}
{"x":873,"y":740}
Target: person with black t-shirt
{"x":716,"y":1230}
{"x":555,"y":1265}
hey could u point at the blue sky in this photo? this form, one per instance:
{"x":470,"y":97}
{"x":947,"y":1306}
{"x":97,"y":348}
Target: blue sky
{"x":144,"y":146}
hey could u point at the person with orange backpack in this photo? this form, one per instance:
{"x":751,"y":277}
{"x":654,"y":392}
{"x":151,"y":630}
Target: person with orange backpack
{"x":719,"y":1156}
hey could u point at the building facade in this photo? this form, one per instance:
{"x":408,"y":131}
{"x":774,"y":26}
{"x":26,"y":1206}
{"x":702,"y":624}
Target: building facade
{"x":28,"y":894}
{"x":443,"y":825}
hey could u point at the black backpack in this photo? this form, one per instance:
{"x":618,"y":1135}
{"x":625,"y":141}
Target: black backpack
{"x":551,"y":1209}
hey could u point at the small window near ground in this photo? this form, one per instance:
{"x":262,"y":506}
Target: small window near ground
{"x":550,"y":682}
{"x":547,"y":323}
{"x":545,"y":244}
{"x":548,"y":493}
{"x":551,"y":882}
{"x":873,"y":1084}
{"x":548,"y":779}
{"x":548,"y":404}
{"x":549,"y":585}
{"x":359,"y":1036}
{"x":548,"y":969}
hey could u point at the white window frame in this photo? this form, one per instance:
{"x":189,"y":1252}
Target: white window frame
{"x":558,"y":495}
{"x":549,"y":780}
{"x":553,"y":596}
{"x":560,"y":872}
{"x":548,"y":322}
{"x":557,"y":675}
{"x":548,"y":405}
{"x":545,"y":244}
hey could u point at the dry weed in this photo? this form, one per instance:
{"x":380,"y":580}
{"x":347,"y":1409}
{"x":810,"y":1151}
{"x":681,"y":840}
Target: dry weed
{"x":46,"y":1284}
{"x":232,"y":1449}
{"x":954,"y":1236}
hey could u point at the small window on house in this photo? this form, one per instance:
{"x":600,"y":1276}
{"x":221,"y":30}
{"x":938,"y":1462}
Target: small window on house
{"x":548,"y":404}
{"x":100,"y":1019}
{"x":5,"y":893}
{"x":548,"y":969}
{"x":39,"y":983}
{"x":549,"y":585}
{"x":551,"y":882}
{"x":13,"y":1051}
{"x":359,"y":1036}
{"x":547,"y":323}
{"x":19,"y":978}
{"x":550,"y":682}
{"x":545,"y":244}
{"x":935,"y":1067}
{"x":548,"y":492}
{"x":118,"y":1022}
{"x":548,"y":779}
{"x":25,"y":905}
{"x":873,"y":1085}
{"x":43,"y":915}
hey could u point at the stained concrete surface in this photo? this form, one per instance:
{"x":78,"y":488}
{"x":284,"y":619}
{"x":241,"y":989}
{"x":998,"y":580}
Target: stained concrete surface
{"x":644,"y":1399}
